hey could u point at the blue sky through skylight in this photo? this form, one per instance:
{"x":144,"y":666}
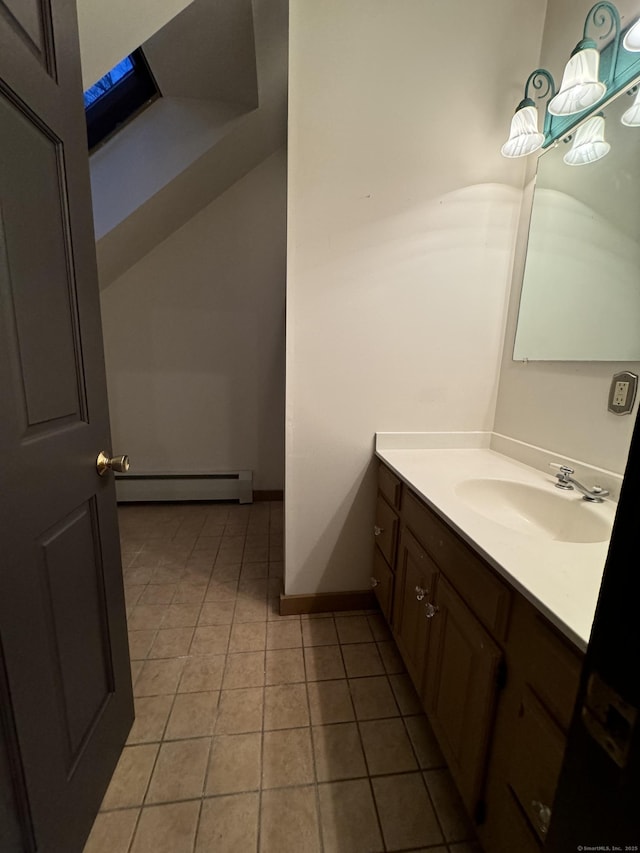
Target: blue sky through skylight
{"x":107,"y":82}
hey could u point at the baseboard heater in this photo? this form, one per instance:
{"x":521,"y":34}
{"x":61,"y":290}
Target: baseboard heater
{"x":226,"y":486}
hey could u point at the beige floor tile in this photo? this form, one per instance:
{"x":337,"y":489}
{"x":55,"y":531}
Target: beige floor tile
{"x":373,"y":698}
{"x":248,"y":610}
{"x":348,"y":818}
{"x":387,"y":746}
{"x":202,"y":673}
{"x":353,"y":629}
{"x":167,"y":829}
{"x":248,"y":637}
{"x":289,"y":821}
{"x":391,"y":659}
{"x":138,"y":575}
{"x":464,"y":847}
{"x":287,"y":758}
{"x":207,"y":543}
{"x":140,"y":643}
{"x":158,"y":593}
{"x":240,"y":711}
{"x":453,"y":818}
{"x":167,"y":574}
{"x":159,"y":677}
{"x":284,"y":666}
{"x":129,"y":782}
{"x":171,"y":643}
{"x":379,"y":628}
{"x":217,"y":613}
{"x":323,"y":662}
{"x":406,"y":813}
{"x":285,"y":706}
{"x":245,"y":669}
{"x":330,"y":702}
{"x":226,"y":571}
{"x":229,"y":825}
{"x":406,"y":696}
{"x":235,"y":763}
{"x":190,"y":593}
{"x":193,"y":715}
{"x":338,"y":752}
{"x":362,"y":659}
{"x":210,"y":640}
{"x":112,"y":832}
{"x":424,"y":742}
{"x":221,"y":590}
{"x":253,"y":589}
{"x":181,"y":616}
{"x":179,"y":771}
{"x":146,"y":616}
{"x":284,"y":635}
{"x":276,"y":569}
{"x":319,"y":632}
{"x":202,"y":558}
{"x":254,"y":570}
{"x":136,"y":668}
{"x":152,"y":713}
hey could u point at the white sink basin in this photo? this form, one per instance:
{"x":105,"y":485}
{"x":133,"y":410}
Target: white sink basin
{"x":540,"y":512}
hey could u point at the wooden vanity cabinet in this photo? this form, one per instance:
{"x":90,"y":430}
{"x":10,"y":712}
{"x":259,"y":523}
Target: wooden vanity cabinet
{"x":385,"y":532}
{"x":496,"y":680}
{"x":460,"y":690}
{"x":415,"y":588}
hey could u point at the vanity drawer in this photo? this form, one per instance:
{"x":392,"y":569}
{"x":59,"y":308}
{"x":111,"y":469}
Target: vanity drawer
{"x":389,"y":485}
{"x":487,"y":596}
{"x":386,"y":529}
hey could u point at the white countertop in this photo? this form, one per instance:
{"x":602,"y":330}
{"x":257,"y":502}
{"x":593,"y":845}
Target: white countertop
{"x":561,"y":579}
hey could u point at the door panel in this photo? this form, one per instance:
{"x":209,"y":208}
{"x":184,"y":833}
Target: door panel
{"x":39,"y":284}
{"x":72,"y":572}
{"x":62,"y":613}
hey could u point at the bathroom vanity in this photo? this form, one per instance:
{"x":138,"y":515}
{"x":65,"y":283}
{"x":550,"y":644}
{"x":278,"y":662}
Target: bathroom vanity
{"x":492,"y":615}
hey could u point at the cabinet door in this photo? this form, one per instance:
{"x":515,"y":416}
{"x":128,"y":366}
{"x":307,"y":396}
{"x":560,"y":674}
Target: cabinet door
{"x":460,"y":690}
{"x":382,"y":583}
{"x":385,"y":529}
{"x":416,"y":576}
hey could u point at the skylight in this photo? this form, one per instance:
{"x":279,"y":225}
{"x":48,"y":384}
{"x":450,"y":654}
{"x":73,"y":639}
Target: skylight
{"x":118,"y":97}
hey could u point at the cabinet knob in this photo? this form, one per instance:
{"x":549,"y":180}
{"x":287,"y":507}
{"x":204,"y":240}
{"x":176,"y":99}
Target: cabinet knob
{"x":543,"y":814}
{"x":420,"y":593}
{"x":377,"y":530}
{"x":431,"y":610}
{"x":374,"y":582}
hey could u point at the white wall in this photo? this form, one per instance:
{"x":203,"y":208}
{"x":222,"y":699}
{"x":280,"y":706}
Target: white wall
{"x":402,"y":216}
{"x":194,"y":339}
{"x":111,"y":29}
{"x":562,"y":406}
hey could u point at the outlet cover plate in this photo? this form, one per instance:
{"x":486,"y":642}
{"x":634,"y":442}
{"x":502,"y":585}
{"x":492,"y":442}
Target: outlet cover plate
{"x":632,"y":380}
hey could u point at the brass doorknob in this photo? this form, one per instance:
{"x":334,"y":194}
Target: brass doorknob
{"x":106,"y":463}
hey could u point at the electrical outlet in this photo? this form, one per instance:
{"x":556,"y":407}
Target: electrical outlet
{"x":622,"y":393}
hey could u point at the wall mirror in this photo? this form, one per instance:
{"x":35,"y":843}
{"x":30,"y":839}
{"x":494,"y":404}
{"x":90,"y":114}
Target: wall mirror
{"x":580,"y":296}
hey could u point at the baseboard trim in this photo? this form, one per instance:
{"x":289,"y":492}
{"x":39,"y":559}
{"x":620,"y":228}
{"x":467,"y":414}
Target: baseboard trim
{"x":268,"y":495}
{"x":323,"y":602}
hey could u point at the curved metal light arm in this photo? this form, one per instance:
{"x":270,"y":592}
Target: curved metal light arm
{"x":543,"y":86}
{"x":601,"y":15}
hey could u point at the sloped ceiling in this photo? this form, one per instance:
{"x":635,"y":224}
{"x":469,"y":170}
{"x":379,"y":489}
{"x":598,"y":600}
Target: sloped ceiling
{"x":222,"y":68}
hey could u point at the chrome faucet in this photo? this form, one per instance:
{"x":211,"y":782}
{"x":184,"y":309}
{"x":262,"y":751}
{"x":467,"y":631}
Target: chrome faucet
{"x":565,"y":478}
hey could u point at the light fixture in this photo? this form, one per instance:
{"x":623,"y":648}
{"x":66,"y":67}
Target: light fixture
{"x":589,"y":144}
{"x":582,"y":91}
{"x":631,"y":117}
{"x":581,"y":87}
{"x":525,"y":136}
{"x":632,"y":39}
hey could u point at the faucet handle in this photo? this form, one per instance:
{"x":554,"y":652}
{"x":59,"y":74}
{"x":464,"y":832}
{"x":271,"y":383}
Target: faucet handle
{"x":564,"y":469}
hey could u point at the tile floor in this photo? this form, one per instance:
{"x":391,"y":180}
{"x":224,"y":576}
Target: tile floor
{"x":256,"y":732}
